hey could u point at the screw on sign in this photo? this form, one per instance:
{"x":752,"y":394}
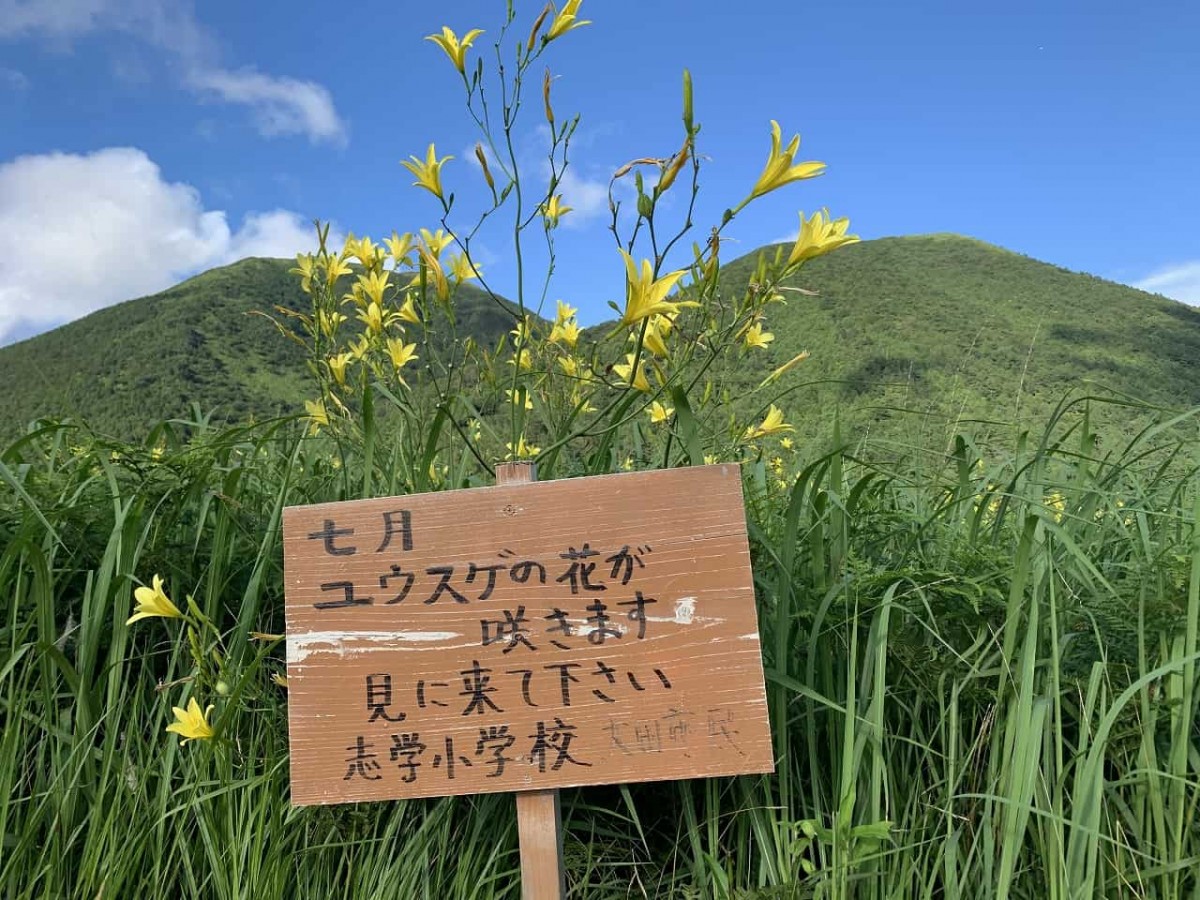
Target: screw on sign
{"x":524,"y":637}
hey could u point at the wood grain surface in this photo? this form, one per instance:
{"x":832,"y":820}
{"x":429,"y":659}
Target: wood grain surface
{"x":429,"y":655}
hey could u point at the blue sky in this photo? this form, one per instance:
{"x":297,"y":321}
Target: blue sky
{"x":146,"y":140}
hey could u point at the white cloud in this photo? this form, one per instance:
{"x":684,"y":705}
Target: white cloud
{"x":587,"y":197}
{"x":281,"y":106}
{"x":12,"y":79}
{"x":89,"y":231}
{"x":1180,"y":282}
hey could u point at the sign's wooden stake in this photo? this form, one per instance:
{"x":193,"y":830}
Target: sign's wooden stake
{"x":539,"y":813}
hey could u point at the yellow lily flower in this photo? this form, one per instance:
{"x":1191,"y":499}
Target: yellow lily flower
{"x":191,"y":724}
{"x":567,"y":332}
{"x":429,"y":172}
{"x":524,"y":359}
{"x":153,"y":601}
{"x":659,"y":413}
{"x":400,"y":246}
{"x":566,"y":20}
{"x":337,"y":366}
{"x":657,"y":330}
{"x":756,"y":337}
{"x":401,"y":354}
{"x":365,"y":250}
{"x":625,"y":372}
{"x":436,"y":274}
{"x":645,"y":295}
{"x":305,"y":264}
{"x":374,"y":317}
{"x":553,"y":210}
{"x":785,"y":368}
{"x":436,"y":241}
{"x":373,"y":284}
{"x":317,"y":415}
{"x":787,"y":443}
{"x":772,"y":424}
{"x":336,"y":266}
{"x":329,"y":322}
{"x":627,"y":464}
{"x":565,"y":312}
{"x":818,"y":236}
{"x":710,"y":459}
{"x":514,"y":397}
{"x":781,"y":168}
{"x":569,"y":365}
{"x":524,"y":331}
{"x":408,"y":312}
{"x":523,"y":451}
{"x":455,"y":49}
{"x":462,"y":269}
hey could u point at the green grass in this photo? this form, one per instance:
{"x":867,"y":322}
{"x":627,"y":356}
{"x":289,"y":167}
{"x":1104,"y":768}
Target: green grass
{"x":982,"y":673}
{"x":913,"y":341}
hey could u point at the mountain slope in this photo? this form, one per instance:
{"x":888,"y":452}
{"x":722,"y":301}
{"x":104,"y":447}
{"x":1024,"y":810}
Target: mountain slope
{"x":909,"y":338}
{"x":951,"y":328}
{"x":200,"y":343}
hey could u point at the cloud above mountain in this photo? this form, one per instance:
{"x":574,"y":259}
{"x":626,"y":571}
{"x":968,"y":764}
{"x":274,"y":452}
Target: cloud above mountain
{"x":90,"y":230}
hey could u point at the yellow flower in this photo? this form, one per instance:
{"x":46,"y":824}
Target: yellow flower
{"x":565,"y":21}
{"x":523,"y":451}
{"x":777,"y":465}
{"x":567,"y":332}
{"x":569,"y":366}
{"x":565,"y":312}
{"x":772,"y":424}
{"x":400,"y":246}
{"x":336,"y":266}
{"x":317,"y":415}
{"x":781,"y":168}
{"x":625,"y":373}
{"x":554,"y":210}
{"x":655,"y":339}
{"x":436,"y":241}
{"x":710,"y":459}
{"x":514,"y":397}
{"x":305,"y":263}
{"x":364,"y":250}
{"x":329,"y":322}
{"x":756,"y":337}
{"x":337,"y":366}
{"x":462,"y":269}
{"x":408,"y":312}
{"x":645,"y":295}
{"x":191,"y":724}
{"x":373,"y":284}
{"x":819,"y":235}
{"x":455,"y":49}
{"x":524,"y":359}
{"x":787,"y":443}
{"x":627,"y":465}
{"x":433,"y":267}
{"x":659,"y":413}
{"x":428,"y":173}
{"x":786,"y":367}
{"x":1056,"y":503}
{"x":374,"y":317}
{"x":400,"y":353}
{"x":157,"y":452}
{"x":153,"y":601}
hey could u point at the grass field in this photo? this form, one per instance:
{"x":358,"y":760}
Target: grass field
{"x":982,"y":673}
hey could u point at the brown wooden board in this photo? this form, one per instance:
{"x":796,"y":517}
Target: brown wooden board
{"x":429,"y":655}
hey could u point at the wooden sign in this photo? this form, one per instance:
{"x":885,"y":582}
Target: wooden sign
{"x":585,"y":631}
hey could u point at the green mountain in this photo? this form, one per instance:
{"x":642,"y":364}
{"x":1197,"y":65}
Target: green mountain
{"x":910,"y":337}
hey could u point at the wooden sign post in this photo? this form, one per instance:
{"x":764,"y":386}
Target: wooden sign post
{"x":524,"y":637}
